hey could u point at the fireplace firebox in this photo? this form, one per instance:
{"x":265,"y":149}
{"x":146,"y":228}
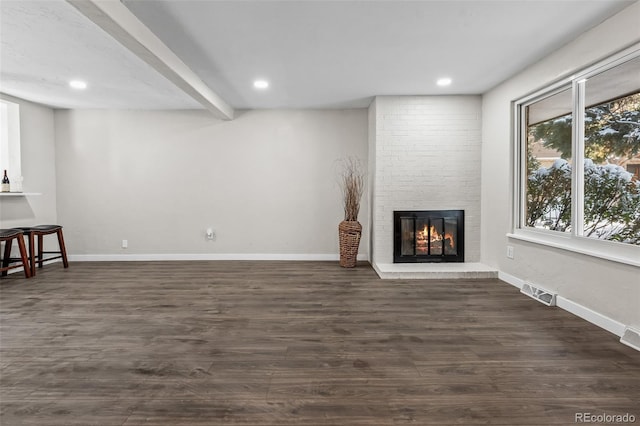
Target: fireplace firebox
{"x":428,"y":236}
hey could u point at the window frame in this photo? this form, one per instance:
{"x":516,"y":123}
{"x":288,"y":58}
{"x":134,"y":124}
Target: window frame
{"x":573,"y":241}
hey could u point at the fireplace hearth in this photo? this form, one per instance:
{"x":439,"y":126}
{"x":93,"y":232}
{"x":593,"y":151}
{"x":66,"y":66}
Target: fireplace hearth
{"x":428,"y":236}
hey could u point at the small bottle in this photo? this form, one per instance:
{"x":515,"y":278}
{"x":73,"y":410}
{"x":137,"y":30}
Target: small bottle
{"x":5,"y":183}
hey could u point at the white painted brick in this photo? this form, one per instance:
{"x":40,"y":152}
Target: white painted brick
{"x":427,"y":157}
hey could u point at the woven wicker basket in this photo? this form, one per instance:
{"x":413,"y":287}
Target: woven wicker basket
{"x":349,"y":233}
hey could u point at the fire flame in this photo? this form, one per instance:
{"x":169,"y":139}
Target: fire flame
{"x":435,"y":235}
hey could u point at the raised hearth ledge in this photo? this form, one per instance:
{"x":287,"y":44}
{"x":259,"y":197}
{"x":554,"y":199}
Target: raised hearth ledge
{"x":433,"y":271}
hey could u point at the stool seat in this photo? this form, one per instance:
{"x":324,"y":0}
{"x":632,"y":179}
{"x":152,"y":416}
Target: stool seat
{"x":41,"y":228}
{"x":40,"y":231}
{"x":10,"y":233}
{"x":7,"y":236}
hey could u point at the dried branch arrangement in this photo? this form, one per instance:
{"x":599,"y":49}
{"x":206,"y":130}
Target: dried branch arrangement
{"x":352,"y":180}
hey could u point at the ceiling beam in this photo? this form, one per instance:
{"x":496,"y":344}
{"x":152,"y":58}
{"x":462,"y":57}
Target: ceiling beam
{"x":120,"y":23}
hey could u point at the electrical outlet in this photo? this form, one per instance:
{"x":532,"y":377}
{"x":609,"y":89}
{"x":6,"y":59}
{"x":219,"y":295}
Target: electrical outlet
{"x":510,"y":252}
{"x":210,"y":234}
{"x":125,"y":244}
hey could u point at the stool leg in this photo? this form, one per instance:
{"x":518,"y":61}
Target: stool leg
{"x":63,"y":249}
{"x":40,"y":250}
{"x":23,"y":256}
{"x":7,"y":255}
{"x":32,"y":253}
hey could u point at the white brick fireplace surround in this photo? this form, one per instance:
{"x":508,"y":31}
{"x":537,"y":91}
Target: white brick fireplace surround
{"x":424,"y":154}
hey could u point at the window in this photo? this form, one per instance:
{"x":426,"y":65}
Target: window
{"x":611,"y":195}
{"x":578,"y":157}
{"x":10,"y":139}
{"x":548,"y":150}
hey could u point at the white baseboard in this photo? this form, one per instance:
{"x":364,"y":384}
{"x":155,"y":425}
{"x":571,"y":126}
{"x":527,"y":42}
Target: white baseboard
{"x":510,"y":279}
{"x":205,"y":256}
{"x":593,"y":317}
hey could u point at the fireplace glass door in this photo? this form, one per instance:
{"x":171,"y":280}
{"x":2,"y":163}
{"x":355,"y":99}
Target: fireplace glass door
{"x":429,"y":236}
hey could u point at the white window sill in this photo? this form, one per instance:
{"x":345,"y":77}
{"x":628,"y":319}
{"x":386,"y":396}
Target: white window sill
{"x":608,"y":250}
{"x":18,"y":194}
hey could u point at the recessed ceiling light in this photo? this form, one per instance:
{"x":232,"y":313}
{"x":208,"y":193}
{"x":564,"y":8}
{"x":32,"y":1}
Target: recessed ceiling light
{"x":78,"y":84}
{"x":261,"y":84}
{"x":443,"y":81}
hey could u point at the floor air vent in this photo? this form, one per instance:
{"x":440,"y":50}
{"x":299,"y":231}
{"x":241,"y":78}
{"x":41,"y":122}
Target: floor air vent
{"x":539,"y":294}
{"x":631,"y":338}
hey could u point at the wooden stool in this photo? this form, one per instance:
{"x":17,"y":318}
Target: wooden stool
{"x":40,"y":231}
{"x":7,"y":236}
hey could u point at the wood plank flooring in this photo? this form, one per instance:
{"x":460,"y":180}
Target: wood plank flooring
{"x":295,"y":343}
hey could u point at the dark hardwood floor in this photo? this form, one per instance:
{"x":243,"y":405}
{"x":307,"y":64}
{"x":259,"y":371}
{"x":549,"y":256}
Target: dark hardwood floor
{"x":295,"y":343}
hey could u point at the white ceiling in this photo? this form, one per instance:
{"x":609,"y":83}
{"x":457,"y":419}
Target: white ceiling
{"x":44,"y":44}
{"x":316,"y":54}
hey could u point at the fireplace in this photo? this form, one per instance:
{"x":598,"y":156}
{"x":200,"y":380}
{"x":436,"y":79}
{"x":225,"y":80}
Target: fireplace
{"x":428,"y":236}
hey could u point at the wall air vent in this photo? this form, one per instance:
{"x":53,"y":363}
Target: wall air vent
{"x":631,"y":338}
{"x":540,"y":294}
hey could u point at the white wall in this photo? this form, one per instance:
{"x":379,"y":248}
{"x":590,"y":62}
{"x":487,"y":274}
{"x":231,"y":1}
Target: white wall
{"x":611,"y":289}
{"x":266,"y":181}
{"x":38,"y":169}
{"x":427,"y":157}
